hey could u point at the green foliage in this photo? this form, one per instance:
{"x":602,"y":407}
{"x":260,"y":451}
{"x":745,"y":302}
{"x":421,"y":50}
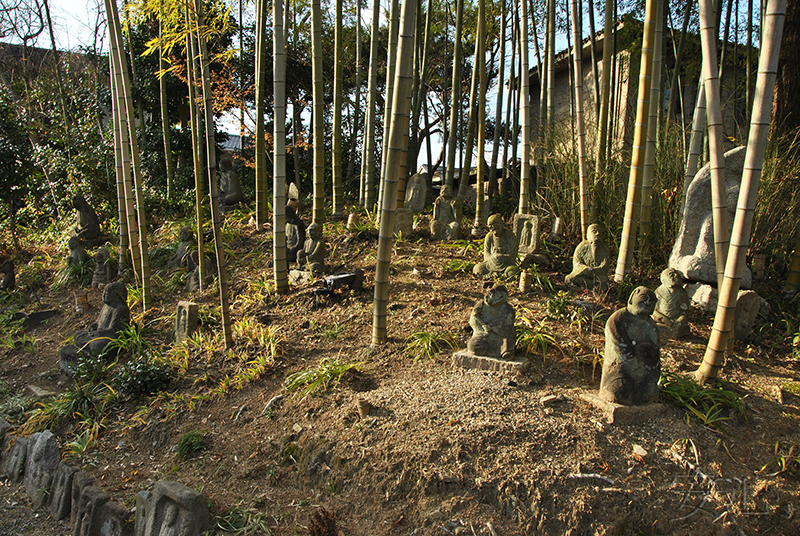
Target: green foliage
{"x":241,"y":522}
{"x":786,"y":458}
{"x":14,"y":405}
{"x":80,"y":274}
{"x":535,"y":336}
{"x":709,"y":404}
{"x":540,"y":280}
{"x":427,"y":343}
{"x":13,"y":334}
{"x":191,"y":443}
{"x":459,"y":265}
{"x":558,"y":305}
{"x":142,"y":376}
{"x":313,"y":380}
{"x":131,"y":339}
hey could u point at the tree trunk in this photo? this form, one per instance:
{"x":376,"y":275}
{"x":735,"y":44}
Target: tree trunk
{"x":743,"y":222}
{"x":162,"y":93}
{"x":455,"y":97}
{"x":480,"y":64}
{"x":197,"y":158}
{"x":605,"y":101}
{"x":368,"y":155}
{"x":498,"y":112}
{"x":394,"y":22}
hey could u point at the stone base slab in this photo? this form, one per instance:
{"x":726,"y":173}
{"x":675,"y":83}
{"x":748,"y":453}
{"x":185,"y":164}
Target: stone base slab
{"x":467,"y":360}
{"x":619,"y":414}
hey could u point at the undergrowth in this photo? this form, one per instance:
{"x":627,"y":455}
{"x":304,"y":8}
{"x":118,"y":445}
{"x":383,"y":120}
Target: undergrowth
{"x":710,"y":404}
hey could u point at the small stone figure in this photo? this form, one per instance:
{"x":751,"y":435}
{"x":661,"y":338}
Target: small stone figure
{"x":295,"y":234}
{"x":87,"y":227}
{"x":193,"y":281}
{"x":77,"y":255}
{"x":113,"y":318}
{"x":590,"y":261}
{"x":312,"y":257}
{"x":186,"y":237}
{"x":492,"y":322}
{"x":499,"y":251}
{"x":103,"y":268}
{"x":230,"y":189}
{"x":447,"y":215}
{"x":632,"y":363}
{"x":9,"y":277}
{"x":672,"y":306}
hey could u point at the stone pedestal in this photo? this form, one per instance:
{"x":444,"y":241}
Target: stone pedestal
{"x":516,"y":367}
{"x":619,"y":414}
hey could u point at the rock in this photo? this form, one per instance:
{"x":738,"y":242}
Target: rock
{"x":619,"y":414}
{"x":39,"y":392}
{"x":80,"y":481}
{"x":640,"y":454}
{"x":403,"y":222}
{"x":114,"y":520}
{"x":9,"y":277}
{"x":549,"y":400}
{"x":186,"y":239}
{"x":175,"y":509}
{"x":364,"y":408}
{"x":41,"y":463}
{"x":299,"y":278}
{"x":416,"y":193}
{"x":4,"y":428}
{"x":467,"y":360}
{"x":31,"y":320}
{"x":14,"y":467}
{"x":230,"y":189}
{"x":140,"y":520}
{"x":693,"y":252}
{"x":59,"y":499}
{"x":492,"y":323}
{"x":186,"y":320}
{"x":748,"y":304}
{"x":87,"y":514}
{"x":87,"y":226}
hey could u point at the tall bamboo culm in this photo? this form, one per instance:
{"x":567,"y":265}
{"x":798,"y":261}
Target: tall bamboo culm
{"x":583,"y":186}
{"x":122,"y":212}
{"x":197,"y":160}
{"x":336,"y":172}
{"x":260,"y":134}
{"x":395,"y":156}
{"x":525,"y":113}
{"x":369,"y":144}
{"x":279,"y":159}
{"x":634,"y":196}
{"x":455,"y":97}
{"x":318,"y":115}
{"x":751,"y":175}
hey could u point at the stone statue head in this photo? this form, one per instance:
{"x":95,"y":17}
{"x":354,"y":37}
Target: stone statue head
{"x":315,"y":231}
{"x":185,"y":234}
{"x":115,"y":294}
{"x":496,"y":295}
{"x":78,"y":201}
{"x":642,"y":301}
{"x":7,"y":266}
{"x":447,"y":191}
{"x":291,"y":213}
{"x":74,"y":243}
{"x":594,"y":232}
{"x":671,"y":278}
{"x":225,"y":165}
{"x":102,"y":255}
{"x":496,"y":223}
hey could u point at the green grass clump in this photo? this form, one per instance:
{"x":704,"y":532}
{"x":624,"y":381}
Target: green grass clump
{"x":191,"y":443}
{"x":427,"y":343}
{"x":312,"y":380}
{"x":709,"y":404}
{"x":535,"y":336}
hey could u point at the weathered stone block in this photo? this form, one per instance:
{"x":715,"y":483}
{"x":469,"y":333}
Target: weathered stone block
{"x":114,"y":520}
{"x":175,"y":509}
{"x":619,"y":414}
{"x":80,"y":481}
{"x":88,"y":517}
{"x":186,"y":320}
{"x":40,"y":465}
{"x":59,"y":500}
{"x":467,"y":360}
{"x":403,"y":222}
{"x":142,"y":505}
{"x":526,"y":227}
{"x":16,"y":453}
{"x":416,"y":193}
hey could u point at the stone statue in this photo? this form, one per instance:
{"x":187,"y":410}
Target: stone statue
{"x":186,"y":237}
{"x":77,"y":255}
{"x":103,"y":268}
{"x":295,"y":234}
{"x":230,"y":189}
{"x":672,"y":307}
{"x":632,"y":363}
{"x":113,"y":318}
{"x":499,"y":251}
{"x":312,"y":257}
{"x":193,"y":267}
{"x":590,"y":261}
{"x":492,"y":322}
{"x":9,"y":277}
{"x":87,"y":227}
{"x":447,"y":216}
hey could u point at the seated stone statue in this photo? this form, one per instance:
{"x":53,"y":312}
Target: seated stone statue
{"x":492,"y":322}
{"x":590,"y":261}
{"x":9,"y":277}
{"x":186,"y":239}
{"x":632,"y":362}
{"x":447,"y":215}
{"x":230,"y":189}
{"x":672,"y":307}
{"x":104,"y":268}
{"x":77,"y":255}
{"x":312,"y":257}
{"x":193,"y":268}
{"x":87,"y":227}
{"x":500,"y":249}
{"x":113,"y":318}
{"x":295,"y":234}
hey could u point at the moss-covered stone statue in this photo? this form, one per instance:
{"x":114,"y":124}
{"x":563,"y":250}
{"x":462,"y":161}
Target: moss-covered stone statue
{"x":500,"y":249}
{"x":672,"y":306}
{"x":590,"y":261}
{"x":87,"y":226}
{"x":312,"y":257}
{"x":492,"y":322}
{"x":632,"y":361}
{"x":447,"y":215}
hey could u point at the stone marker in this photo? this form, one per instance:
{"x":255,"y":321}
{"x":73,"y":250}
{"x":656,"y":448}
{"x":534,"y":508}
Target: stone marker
{"x":526,"y":227}
{"x":14,"y":467}
{"x":499,"y":251}
{"x":87,"y":517}
{"x":80,"y":481}
{"x":140,"y":519}
{"x":632,"y":362}
{"x":295,"y":234}
{"x":87,"y":226}
{"x":174,"y":509}
{"x":9,"y":277}
{"x":590,"y":261}
{"x":193,"y":281}
{"x":403,"y":222}
{"x":748,"y":303}
{"x":104,"y":268}
{"x":113,"y":318}
{"x":77,"y":255}
{"x":185,"y":240}
{"x":4,"y":427}
{"x":59,"y":500}
{"x":312,"y":257}
{"x":186,"y":320}
{"x":672,"y":307}
{"x":230,"y":189}
{"x":693,"y":252}
{"x":447,"y":216}
{"x":115,"y":520}
{"x":31,"y":320}
{"x":619,"y":414}
{"x":41,"y":463}
{"x":416,"y":193}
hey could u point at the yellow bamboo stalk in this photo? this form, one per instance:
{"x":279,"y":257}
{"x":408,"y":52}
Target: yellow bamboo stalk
{"x":583,"y":187}
{"x":318,"y":96}
{"x":525,"y":113}
{"x":280,"y":266}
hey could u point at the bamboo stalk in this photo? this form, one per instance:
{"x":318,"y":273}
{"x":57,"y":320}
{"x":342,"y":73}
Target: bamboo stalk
{"x":525,"y":189}
{"x":280,"y":266}
{"x":579,"y":122}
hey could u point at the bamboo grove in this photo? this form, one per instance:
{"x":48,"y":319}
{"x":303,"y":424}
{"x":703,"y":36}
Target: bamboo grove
{"x":375,"y":88}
